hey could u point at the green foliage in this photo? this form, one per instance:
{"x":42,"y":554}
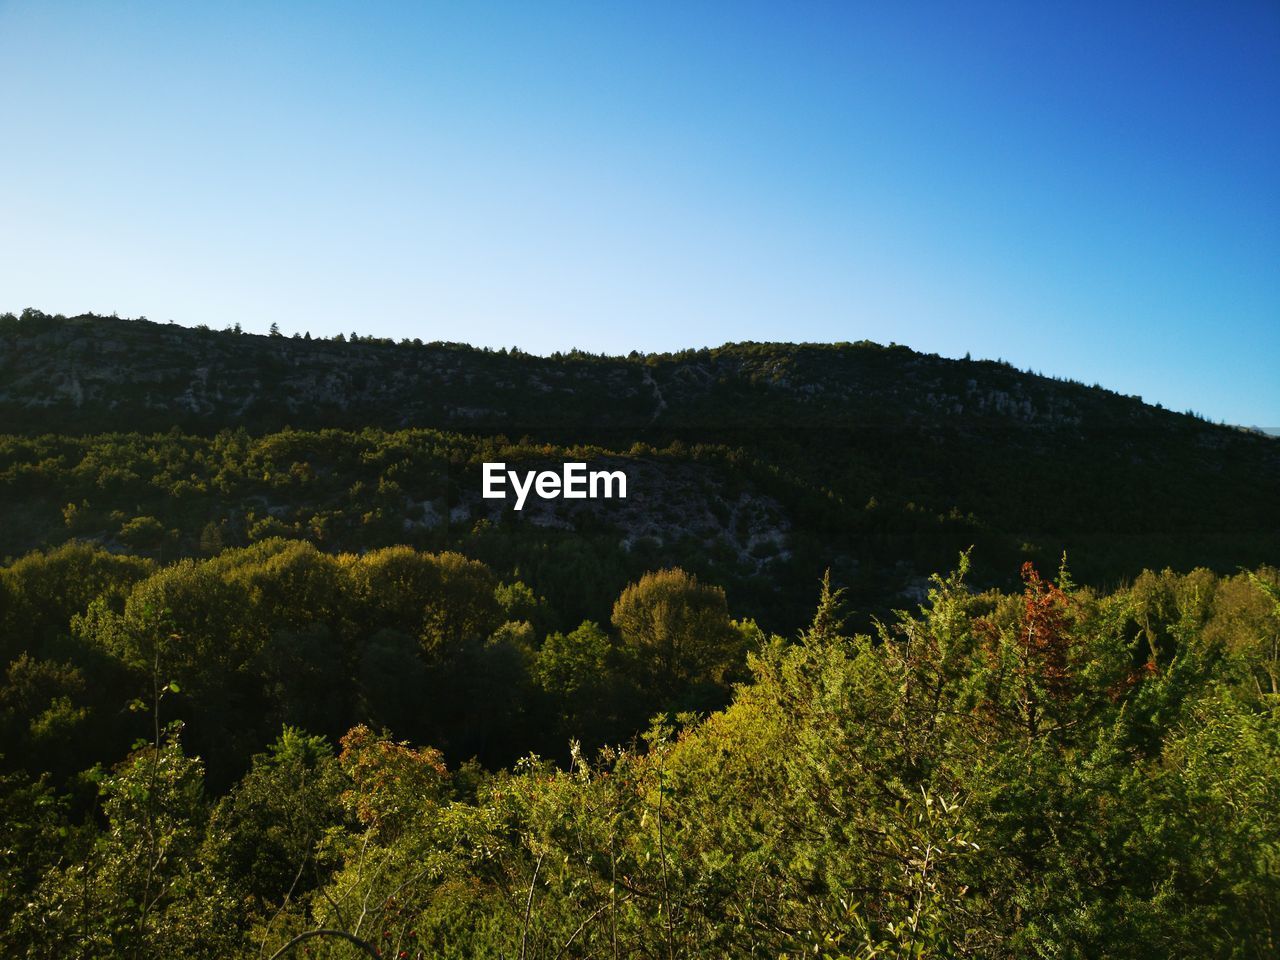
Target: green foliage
{"x":35,"y":835}
{"x":1049,"y":771}
{"x":460,"y":604}
{"x":136,"y":888}
{"x":40,"y":592}
{"x":266,"y":836}
{"x":43,"y":714}
{"x":142,"y":532}
{"x":590,"y":678}
{"x":873,"y":798}
{"x":678,"y":631}
{"x":1057,"y":772}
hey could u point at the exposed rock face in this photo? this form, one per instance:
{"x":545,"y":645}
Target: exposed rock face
{"x":666,"y":502}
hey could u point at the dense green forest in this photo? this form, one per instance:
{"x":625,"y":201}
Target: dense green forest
{"x":278,"y":682}
{"x":1055,"y":772}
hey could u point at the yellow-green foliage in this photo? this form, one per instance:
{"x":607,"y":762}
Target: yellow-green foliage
{"x":1058,"y":772}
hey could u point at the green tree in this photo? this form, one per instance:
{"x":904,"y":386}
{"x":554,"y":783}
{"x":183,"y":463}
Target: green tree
{"x":138,"y":889}
{"x":146,"y":533}
{"x":678,"y":629}
{"x":266,"y":835}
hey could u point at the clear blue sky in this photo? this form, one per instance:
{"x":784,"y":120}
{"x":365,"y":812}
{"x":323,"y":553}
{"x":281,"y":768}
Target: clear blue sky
{"x":1088,"y":190}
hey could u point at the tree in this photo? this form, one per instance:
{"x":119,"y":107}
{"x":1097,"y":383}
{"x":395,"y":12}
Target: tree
{"x":145,"y":533}
{"x":390,"y":781}
{"x":678,"y":629}
{"x":40,"y":593}
{"x":138,"y":890}
{"x":584,"y":675}
{"x":265,"y":833}
{"x":444,"y":600}
{"x":43,"y":715}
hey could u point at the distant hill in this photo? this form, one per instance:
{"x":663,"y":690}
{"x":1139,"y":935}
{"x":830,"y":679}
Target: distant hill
{"x":878,"y":461}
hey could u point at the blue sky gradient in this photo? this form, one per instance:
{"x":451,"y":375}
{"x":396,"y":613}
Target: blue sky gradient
{"x":1091,"y":191}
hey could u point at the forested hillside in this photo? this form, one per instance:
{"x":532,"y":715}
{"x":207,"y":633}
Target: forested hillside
{"x":278,"y":681}
{"x":879,"y":462}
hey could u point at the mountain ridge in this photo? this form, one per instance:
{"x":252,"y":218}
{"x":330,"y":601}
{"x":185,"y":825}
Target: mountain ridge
{"x":866,"y":457}
{"x":200,"y":374}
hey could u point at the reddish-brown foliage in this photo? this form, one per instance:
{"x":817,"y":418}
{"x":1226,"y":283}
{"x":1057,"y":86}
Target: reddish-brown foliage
{"x":1044,"y":642}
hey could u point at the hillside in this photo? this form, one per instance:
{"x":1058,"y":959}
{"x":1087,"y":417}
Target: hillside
{"x":260,"y":631}
{"x":879,"y":461}
{"x":91,"y":374}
